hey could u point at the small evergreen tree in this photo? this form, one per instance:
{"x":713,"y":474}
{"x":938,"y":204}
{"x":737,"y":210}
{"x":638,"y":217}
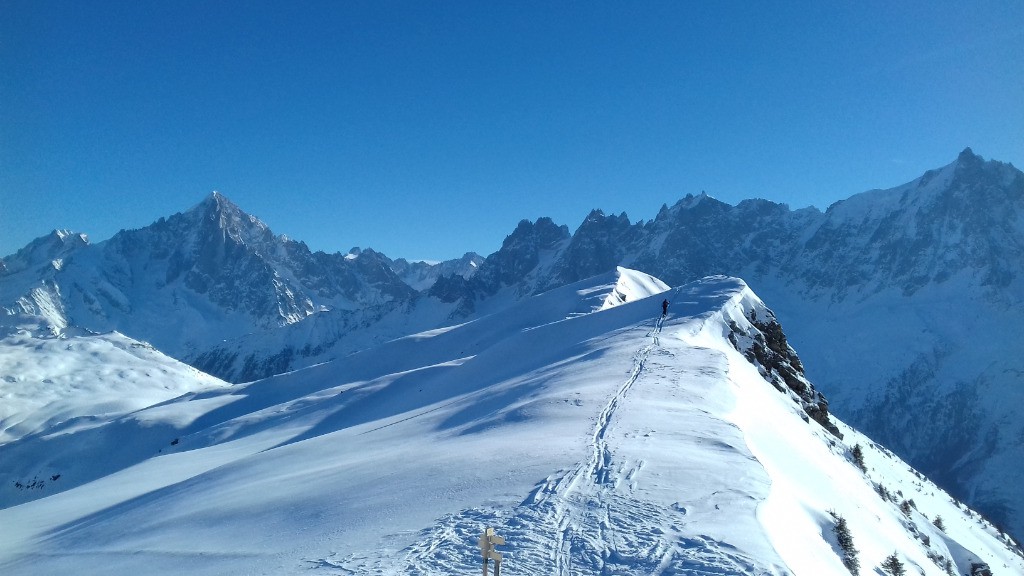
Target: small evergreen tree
{"x":905,"y":508}
{"x":892,"y":566}
{"x":845,"y":540}
{"x":858,"y":458}
{"x":939,"y":523}
{"x":882,"y":491}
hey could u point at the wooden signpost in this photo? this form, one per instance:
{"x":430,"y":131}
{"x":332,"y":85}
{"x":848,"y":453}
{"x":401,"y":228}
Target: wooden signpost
{"x":488,"y":540}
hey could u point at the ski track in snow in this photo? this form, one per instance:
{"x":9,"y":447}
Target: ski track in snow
{"x":584,"y":521}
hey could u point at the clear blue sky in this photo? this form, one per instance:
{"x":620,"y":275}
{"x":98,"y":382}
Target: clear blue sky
{"x":427,"y":129}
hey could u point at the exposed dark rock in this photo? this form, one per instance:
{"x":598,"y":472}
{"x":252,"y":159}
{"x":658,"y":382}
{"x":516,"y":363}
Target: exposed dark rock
{"x":780,"y":365}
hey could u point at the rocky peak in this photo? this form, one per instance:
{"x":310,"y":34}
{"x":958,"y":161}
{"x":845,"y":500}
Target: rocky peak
{"x":45,"y":252}
{"x":597,"y":220}
{"x":967,"y":156}
{"x":542,"y":234}
{"x":220,"y":217}
{"x":518,"y":258}
{"x":217,"y":203}
{"x":599,"y":244}
{"x":520,"y":252}
{"x":690,"y":209}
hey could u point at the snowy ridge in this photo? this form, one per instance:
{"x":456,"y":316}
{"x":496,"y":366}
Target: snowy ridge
{"x":595,"y":440}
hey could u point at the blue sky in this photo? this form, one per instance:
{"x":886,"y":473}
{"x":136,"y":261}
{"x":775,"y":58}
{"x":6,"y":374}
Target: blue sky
{"x":427,"y":129}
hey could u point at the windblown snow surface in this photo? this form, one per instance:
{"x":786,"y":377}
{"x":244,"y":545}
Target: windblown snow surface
{"x":595,"y":435}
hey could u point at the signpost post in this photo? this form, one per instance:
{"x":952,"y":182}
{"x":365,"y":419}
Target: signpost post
{"x":488,"y":540}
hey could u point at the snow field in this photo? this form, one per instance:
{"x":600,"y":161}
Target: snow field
{"x":45,"y":382}
{"x":596,"y":442}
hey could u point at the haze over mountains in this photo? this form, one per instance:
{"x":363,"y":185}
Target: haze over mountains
{"x":904,"y":304}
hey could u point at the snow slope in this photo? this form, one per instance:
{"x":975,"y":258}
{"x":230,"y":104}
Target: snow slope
{"x":48,"y":380}
{"x":595,"y":439}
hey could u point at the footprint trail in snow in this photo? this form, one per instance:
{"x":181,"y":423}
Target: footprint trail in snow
{"x":587,"y":520}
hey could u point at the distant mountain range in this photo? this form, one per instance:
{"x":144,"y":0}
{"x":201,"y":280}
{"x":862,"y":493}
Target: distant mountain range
{"x":905,"y":304}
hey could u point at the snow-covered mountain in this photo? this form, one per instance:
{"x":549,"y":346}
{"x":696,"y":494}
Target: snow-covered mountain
{"x":905,"y":303}
{"x":189,"y":282}
{"x":593,"y":434}
{"x":422,"y":275}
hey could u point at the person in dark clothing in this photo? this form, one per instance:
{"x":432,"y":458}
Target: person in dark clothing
{"x":664,"y":307}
